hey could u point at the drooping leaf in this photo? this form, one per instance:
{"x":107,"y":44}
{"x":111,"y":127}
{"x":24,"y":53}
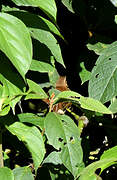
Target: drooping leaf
{"x":84,"y":74}
{"x":31,"y":118}
{"x":15,"y":42}
{"x":35,"y":91}
{"x":102,"y":84}
{"x":84,"y":102}
{"x":40,"y":66}
{"x":48,"y":6}
{"x":63,"y":134}
{"x":108,"y":158}
{"x":49,"y":40}
{"x":30,"y":20}
{"x":32,"y":138}
{"x":6,"y":173}
{"x":23,"y":173}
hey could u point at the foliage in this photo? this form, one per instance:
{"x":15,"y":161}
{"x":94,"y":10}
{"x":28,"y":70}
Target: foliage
{"x":44,"y":124}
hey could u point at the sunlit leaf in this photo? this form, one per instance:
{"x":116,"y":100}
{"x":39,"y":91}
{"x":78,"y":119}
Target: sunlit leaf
{"x":30,"y":20}
{"x":15,"y":42}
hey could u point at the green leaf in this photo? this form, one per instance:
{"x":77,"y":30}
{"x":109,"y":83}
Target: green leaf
{"x":49,"y":40}
{"x":108,"y":158}
{"x":13,"y":83}
{"x":35,"y":91}
{"x":103,"y":84}
{"x":63,"y":134}
{"x":113,"y":106}
{"x":30,"y":20}
{"x":23,"y":173}
{"x":48,"y":6}
{"x":116,"y":19}
{"x":98,"y":47}
{"x":68,"y":4}
{"x":32,"y":118}
{"x":84,"y":102}
{"x":13,"y":102}
{"x":6,"y":173}
{"x":112,"y":152}
{"x":54,"y":158}
{"x":40,"y":66}
{"x":32,"y":138}
{"x":84,"y":74}
{"x":114,"y":2}
{"x":15,"y":42}
{"x":5,"y":111}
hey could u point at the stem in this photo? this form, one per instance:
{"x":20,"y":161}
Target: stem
{"x":1,"y":155}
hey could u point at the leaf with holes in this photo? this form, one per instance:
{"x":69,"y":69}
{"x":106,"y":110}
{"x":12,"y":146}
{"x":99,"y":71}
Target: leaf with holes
{"x":15,"y":42}
{"x":64,"y":135}
{"x":103,"y":82}
{"x":32,"y":138}
{"x":48,"y":6}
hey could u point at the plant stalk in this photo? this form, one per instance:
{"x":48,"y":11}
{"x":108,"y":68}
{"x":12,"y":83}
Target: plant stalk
{"x":1,"y":155}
